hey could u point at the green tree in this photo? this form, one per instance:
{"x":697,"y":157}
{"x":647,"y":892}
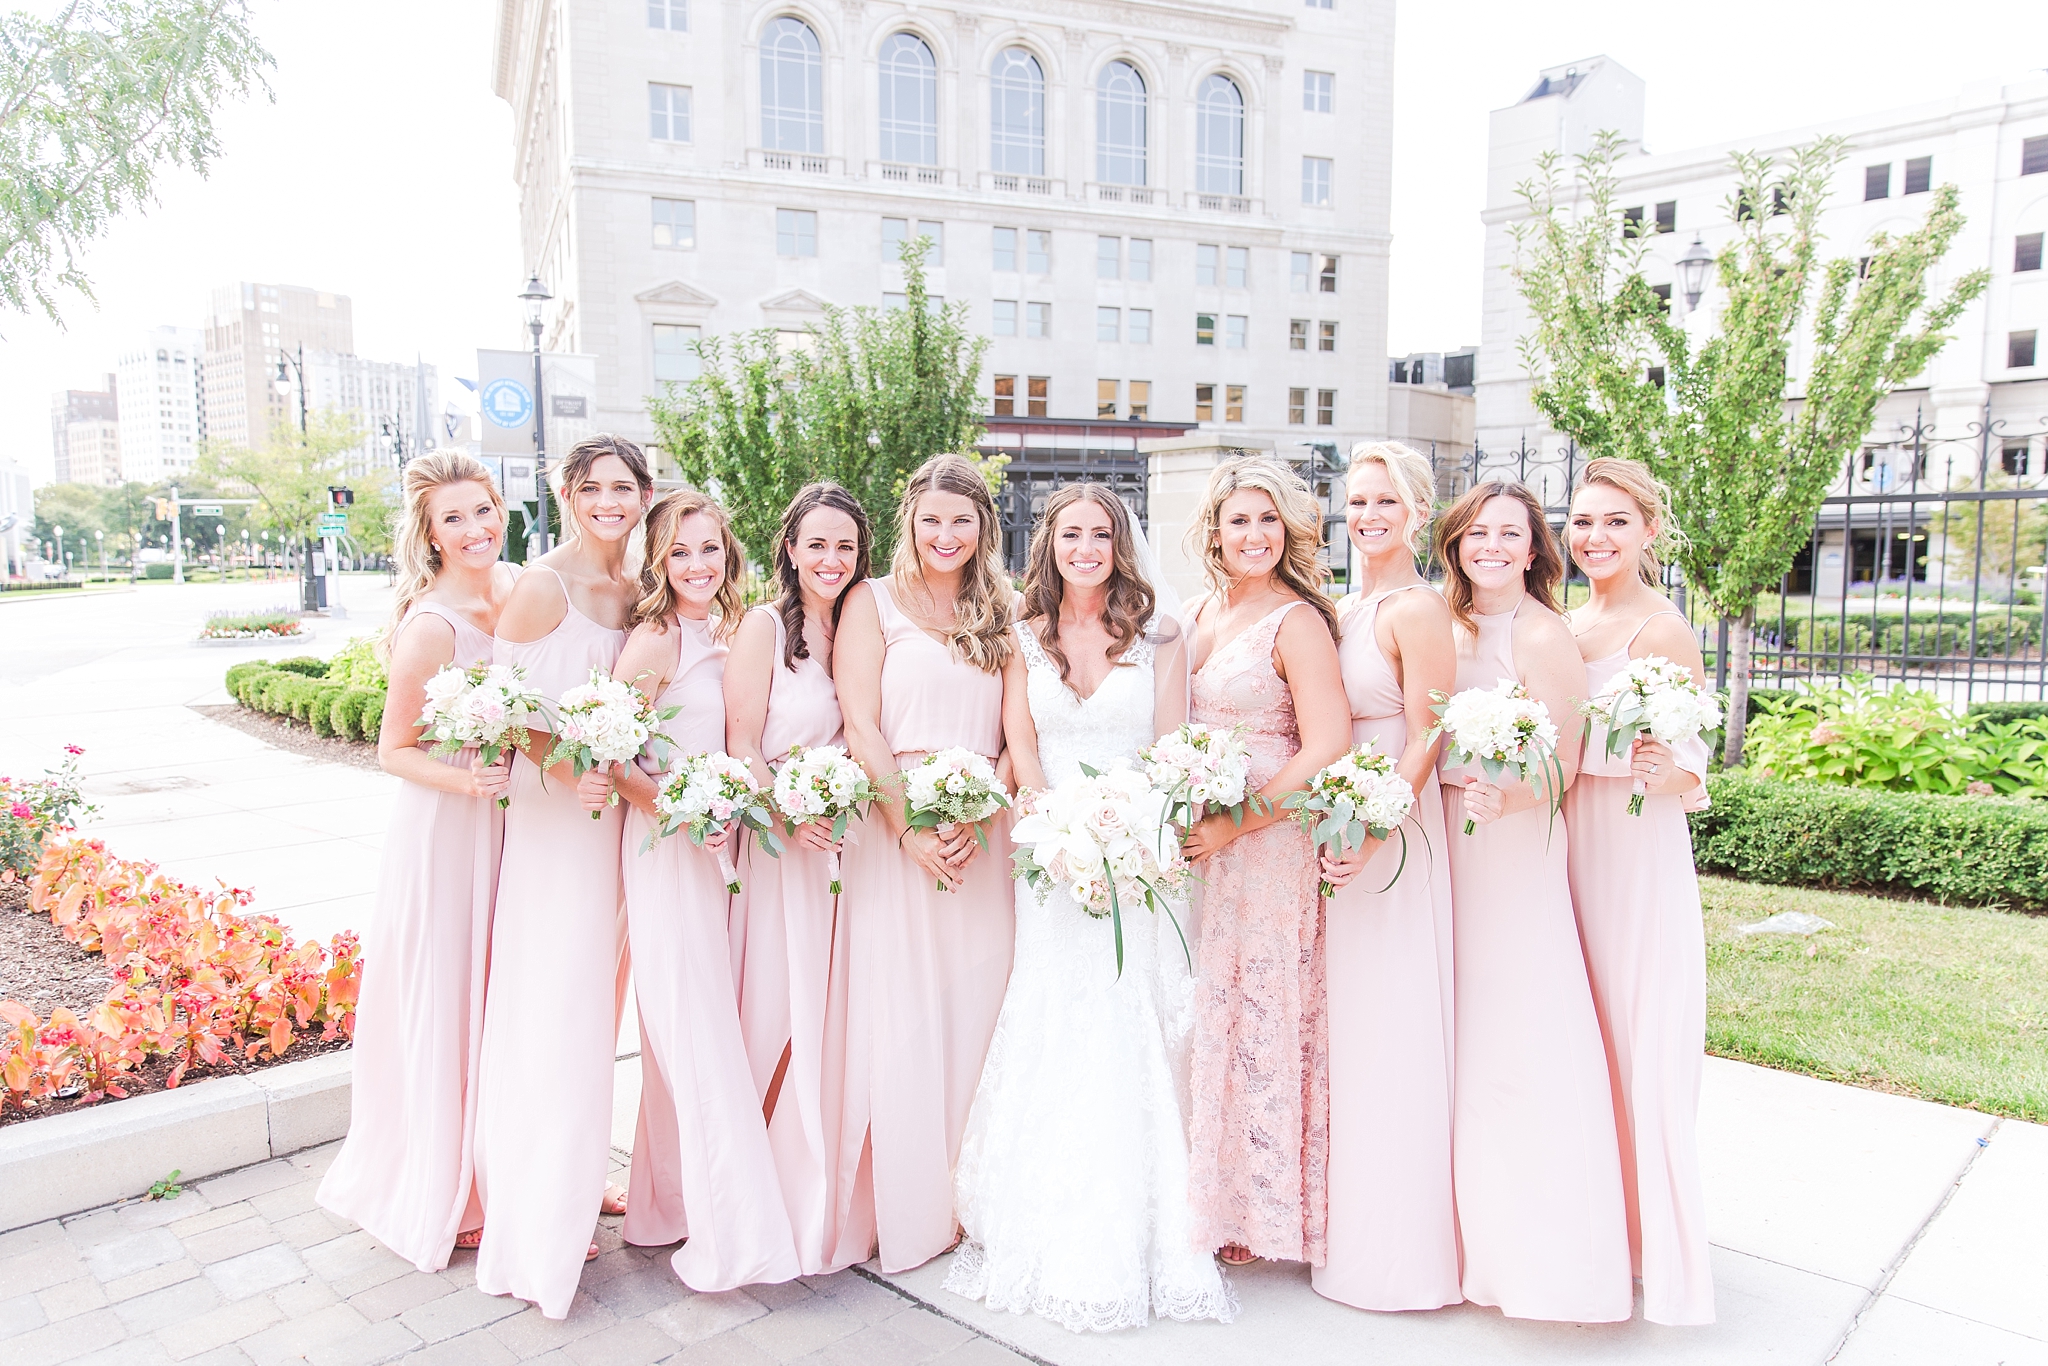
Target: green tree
{"x":1748,"y":448}
{"x":75,"y":507}
{"x":869,"y":397}
{"x":289,"y":477}
{"x":95,"y":103}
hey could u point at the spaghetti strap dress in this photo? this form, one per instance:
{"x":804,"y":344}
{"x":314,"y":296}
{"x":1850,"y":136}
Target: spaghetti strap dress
{"x":1638,"y":902}
{"x":701,"y":1166}
{"x":1393,"y":1221}
{"x":793,"y":991}
{"x":1260,"y":1060}
{"x":927,"y":968}
{"x":544,"y":1103}
{"x":404,"y":1174}
{"x":1534,"y":1161}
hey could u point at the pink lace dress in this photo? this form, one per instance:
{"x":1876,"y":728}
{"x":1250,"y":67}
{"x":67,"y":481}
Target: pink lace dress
{"x":1260,"y":1131}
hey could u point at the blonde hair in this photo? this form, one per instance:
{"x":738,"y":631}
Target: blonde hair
{"x":1414,"y":483}
{"x":412,"y":542}
{"x":981,"y":611}
{"x":664,"y":528}
{"x":1633,"y":479}
{"x":1301,"y":517}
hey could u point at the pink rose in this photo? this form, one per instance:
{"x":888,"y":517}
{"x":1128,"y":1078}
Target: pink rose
{"x":721,"y":809}
{"x":21,"y":811}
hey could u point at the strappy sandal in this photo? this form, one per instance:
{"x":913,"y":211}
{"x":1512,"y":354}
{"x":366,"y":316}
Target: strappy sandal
{"x":1236,"y":1254}
{"x":614,"y":1202}
{"x":469,"y":1240}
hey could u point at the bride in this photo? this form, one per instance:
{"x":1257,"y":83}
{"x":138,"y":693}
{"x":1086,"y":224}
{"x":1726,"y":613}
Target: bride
{"x":1072,"y":1179}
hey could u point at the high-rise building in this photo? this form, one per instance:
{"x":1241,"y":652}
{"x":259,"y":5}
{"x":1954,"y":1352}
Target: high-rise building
{"x":90,"y":410}
{"x":162,"y":406}
{"x":249,"y":327}
{"x":391,"y":403}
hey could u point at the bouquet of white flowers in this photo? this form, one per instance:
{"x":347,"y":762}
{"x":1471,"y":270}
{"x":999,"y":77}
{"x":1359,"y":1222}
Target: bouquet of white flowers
{"x":949,"y":788}
{"x":1359,"y":795}
{"x":1503,"y":730}
{"x":490,"y":706}
{"x":605,"y":721}
{"x":1656,"y":697}
{"x":704,"y":793}
{"x":822,"y":783}
{"x":1108,"y":839}
{"x":1199,"y":767}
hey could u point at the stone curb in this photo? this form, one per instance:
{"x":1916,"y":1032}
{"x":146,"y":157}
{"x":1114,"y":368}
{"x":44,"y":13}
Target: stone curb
{"x":104,"y":1153}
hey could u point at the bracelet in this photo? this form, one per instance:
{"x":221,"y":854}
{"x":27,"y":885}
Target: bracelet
{"x":905,"y":835}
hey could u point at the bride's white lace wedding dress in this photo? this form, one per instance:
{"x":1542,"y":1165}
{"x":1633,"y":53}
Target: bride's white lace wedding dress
{"x":1073,"y":1174}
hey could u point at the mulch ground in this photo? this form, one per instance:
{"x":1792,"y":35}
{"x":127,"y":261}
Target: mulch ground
{"x":295,"y":736}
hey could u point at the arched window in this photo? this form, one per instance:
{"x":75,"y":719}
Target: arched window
{"x":1219,"y":136}
{"x":792,"y":88}
{"x":910,"y":101}
{"x":1017,"y":113}
{"x":1120,"y":125}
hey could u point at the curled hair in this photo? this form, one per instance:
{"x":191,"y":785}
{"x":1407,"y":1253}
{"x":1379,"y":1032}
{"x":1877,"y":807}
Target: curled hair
{"x":575,"y":468}
{"x":1633,"y":479}
{"x":1546,"y":567}
{"x":1301,"y":517}
{"x":790,"y":602}
{"x":412,"y":541}
{"x":658,"y":598}
{"x":1414,"y":483}
{"x":980,"y":633}
{"x":1131,"y":601}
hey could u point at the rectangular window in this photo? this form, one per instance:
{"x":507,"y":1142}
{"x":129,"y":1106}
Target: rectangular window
{"x":1038,"y":320}
{"x":1038,"y":252}
{"x":1105,"y":398}
{"x":1326,"y":336}
{"x":1663,"y":293}
{"x":2016,"y":460}
{"x":669,"y":14}
{"x":1877,"y":181}
{"x":1919,"y":175}
{"x":1205,"y":329}
{"x":668,"y":113}
{"x":894,"y":230}
{"x":1035,"y":394}
{"x":2026,"y":252}
{"x":674,"y":361}
{"x":1297,"y":407}
{"x":1141,"y":326}
{"x":1632,"y":222}
{"x":1206,"y":258}
{"x":1326,"y":407}
{"x":1141,"y":399}
{"x":675,"y":223}
{"x":1234,"y":328}
{"x":894,"y":301}
{"x":2034,"y":155}
{"x":1005,"y":318}
{"x":1205,"y":403}
{"x":796,"y":232}
{"x":1326,"y":280}
{"x":1319,"y":4}
{"x":1006,"y":395}
{"x":1141,"y":260}
{"x":1667,"y":216}
{"x":1003,"y":249}
{"x":1237,"y":267}
{"x":1233,"y":403}
{"x":1108,"y":257}
{"x":1107,"y":324}
{"x":2019,"y":350}
{"x":1300,"y":270}
{"x":1297,"y":334}
{"x":1315,"y":180}
{"x":936,"y":232}
{"x":1316,"y":90}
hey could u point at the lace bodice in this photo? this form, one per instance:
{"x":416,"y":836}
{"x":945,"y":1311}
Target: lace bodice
{"x":1238,"y":686}
{"x":1114,"y":722}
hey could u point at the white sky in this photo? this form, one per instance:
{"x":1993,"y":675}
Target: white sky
{"x":383,"y":169}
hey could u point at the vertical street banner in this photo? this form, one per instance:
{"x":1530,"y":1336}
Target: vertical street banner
{"x":506,"y":404}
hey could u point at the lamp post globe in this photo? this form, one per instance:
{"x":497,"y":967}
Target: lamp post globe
{"x":1692,"y":271}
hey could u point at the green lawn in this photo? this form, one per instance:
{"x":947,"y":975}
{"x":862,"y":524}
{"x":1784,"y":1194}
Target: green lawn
{"x":1948,"y":1003}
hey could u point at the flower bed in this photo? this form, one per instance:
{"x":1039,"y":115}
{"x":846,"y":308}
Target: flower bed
{"x":342,"y":697}
{"x":32,"y":809}
{"x":252,"y":626}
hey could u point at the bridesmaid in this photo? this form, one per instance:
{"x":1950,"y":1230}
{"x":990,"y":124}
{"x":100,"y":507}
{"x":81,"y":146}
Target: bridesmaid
{"x":779,"y":693}
{"x":1537,"y":1174}
{"x":1393,"y":1222}
{"x":404,"y":1174}
{"x":1260,"y":1135}
{"x":919,"y":663}
{"x":701,"y":1165}
{"x":1637,"y":897}
{"x":544,"y":1107}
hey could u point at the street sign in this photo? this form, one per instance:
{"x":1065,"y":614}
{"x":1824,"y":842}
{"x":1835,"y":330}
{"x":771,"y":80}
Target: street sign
{"x":206,"y":509}
{"x":333,"y":523}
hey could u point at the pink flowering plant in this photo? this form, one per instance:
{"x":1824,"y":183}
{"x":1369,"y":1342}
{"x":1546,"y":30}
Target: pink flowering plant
{"x":32,"y":809}
{"x":707,"y":792}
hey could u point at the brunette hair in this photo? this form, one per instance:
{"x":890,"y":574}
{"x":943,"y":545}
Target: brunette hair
{"x":412,"y":540}
{"x":664,"y":528}
{"x":575,"y":468}
{"x":1131,"y":600}
{"x":1414,"y":483}
{"x":981,"y":611}
{"x":1652,"y":499}
{"x":790,"y":603}
{"x":1546,"y":569}
{"x":1301,"y":517}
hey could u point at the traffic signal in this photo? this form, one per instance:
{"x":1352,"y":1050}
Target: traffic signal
{"x":340,"y":497}
{"x":163,"y":509}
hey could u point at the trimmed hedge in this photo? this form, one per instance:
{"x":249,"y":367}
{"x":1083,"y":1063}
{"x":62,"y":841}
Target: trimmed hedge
{"x":1971,"y":850}
{"x":333,"y":705}
{"x":2003,"y":713}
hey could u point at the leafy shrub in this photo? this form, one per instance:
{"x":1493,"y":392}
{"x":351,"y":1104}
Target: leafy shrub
{"x":1972,"y":850}
{"x":319,"y":708}
{"x":346,"y":714}
{"x":156,"y":571}
{"x":1904,"y":739}
{"x":31,"y":809}
{"x":356,"y":664}
{"x":304,"y":690}
{"x":1934,"y":631}
{"x":373,"y":715}
{"x":240,"y":674}
{"x":305,"y":665}
{"x":2010,"y":711}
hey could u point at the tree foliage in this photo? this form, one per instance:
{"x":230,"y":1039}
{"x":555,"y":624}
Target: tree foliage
{"x":290,"y":475}
{"x":94,"y":105}
{"x":868,"y":396}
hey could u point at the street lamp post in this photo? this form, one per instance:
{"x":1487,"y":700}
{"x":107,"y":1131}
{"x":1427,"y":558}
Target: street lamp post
{"x":535,"y":295}
{"x":1692,"y":271}
{"x":312,"y":587}
{"x":101,"y":537}
{"x":60,"y":550}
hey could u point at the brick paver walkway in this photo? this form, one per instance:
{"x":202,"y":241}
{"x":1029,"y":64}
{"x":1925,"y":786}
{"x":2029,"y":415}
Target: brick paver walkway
{"x":245,"y":1268}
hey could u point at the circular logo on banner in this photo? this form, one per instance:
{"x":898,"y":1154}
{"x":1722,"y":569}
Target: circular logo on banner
{"x":507,"y":402}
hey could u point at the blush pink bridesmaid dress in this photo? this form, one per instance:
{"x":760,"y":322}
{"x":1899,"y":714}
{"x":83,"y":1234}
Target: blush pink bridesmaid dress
{"x":544,"y":1104}
{"x":793,"y":993}
{"x":404,"y":1174}
{"x":701,"y":1165}
{"x":1536,"y":1170}
{"x":1393,"y":1239}
{"x":927,"y":968}
{"x":1258,"y":1172}
{"x":1638,"y":901}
